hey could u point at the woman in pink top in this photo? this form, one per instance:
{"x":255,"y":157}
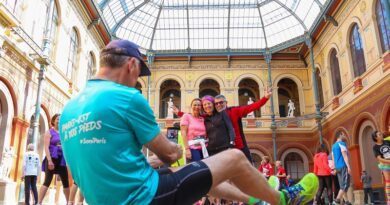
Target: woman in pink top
{"x":323,"y":172}
{"x":193,"y":131}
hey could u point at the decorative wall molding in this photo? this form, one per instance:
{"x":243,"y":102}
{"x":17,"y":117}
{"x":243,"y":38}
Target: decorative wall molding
{"x":276,"y":65}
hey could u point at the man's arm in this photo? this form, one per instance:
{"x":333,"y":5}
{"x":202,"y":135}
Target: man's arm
{"x":244,"y":110}
{"x":346,"y":160}
{"x":382,"y":160}
{"x":229,"y":126}
{"x":177,"y":112}
{"x":165,"y":150}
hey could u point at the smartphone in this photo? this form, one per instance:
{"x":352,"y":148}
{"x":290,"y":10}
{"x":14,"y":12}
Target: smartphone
{"x":173,"y":134}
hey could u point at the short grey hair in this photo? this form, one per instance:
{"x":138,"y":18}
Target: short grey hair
{"x":30,"y":147}
{"x":220,"y":97}
{"x":113,"y":60}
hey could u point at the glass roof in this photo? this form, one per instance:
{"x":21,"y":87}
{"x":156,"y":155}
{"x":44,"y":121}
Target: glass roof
{"x":210,"y":24}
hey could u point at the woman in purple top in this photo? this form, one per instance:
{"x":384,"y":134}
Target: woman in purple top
{"x":54,"y":162}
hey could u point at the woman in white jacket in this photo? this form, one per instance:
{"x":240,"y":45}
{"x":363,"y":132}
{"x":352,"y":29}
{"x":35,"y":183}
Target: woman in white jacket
{"x":30,"y":173}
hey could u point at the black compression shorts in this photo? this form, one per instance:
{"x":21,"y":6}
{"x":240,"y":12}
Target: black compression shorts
{"x":185,"y":186}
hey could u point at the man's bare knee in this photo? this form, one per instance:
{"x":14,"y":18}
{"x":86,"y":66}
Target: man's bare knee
{"x":236,"y":156}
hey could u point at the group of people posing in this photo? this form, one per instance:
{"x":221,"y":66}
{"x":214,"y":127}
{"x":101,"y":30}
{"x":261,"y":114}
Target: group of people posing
{"x":214,"y":126}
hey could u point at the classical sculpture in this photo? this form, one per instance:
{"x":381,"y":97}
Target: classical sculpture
{"x":251,"y":114}
{"x":170,"y":109}
{"x":6,"y":163}
{"x":291,"y":108}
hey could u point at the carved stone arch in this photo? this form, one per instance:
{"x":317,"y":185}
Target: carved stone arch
{"x":320,"y":83}
{"x":250,"y":76}
{"x":254,"y":146}
{"x":358,"y":122}
{"x":319,"y":67}
{"x":328,"y":66}
{"x":301,"y":153}
{"x":301,"y":147}
{"x":385,"y":116}
{"x":144,"y":88}
{"x":170,"y":77}
{"x":78,"y":33}
{"x":215,"y":77}
{"x":329,"y":51}
{"x":59,"y":11}
{"x":368,"y":161}
{"x":159,"y":82}
{"x":299,"y":84}
{"x":259,"y":150}
{"x":355,"y":20}
{"x":8,"y":110}
{"x":9,"y":84}
{"x":345,"y":131}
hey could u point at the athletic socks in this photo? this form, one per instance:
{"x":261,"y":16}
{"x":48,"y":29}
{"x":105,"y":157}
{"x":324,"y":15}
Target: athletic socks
{"x":282,"y":199}
{"x":253,"y":201}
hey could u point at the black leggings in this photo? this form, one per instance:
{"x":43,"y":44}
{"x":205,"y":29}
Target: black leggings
{"x":325,"y":182}
{"x":30,"y":182}
{"x":58,"y":169}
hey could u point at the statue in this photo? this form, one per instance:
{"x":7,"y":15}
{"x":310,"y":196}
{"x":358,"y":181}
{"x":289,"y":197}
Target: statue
{"x":170,"y":109}
{"x":251,"y":114}
{"x":6,"y":162}
{"x":291,"y":108}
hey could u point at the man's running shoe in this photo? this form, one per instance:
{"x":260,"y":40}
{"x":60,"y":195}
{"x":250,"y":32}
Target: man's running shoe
{"x":273,"y":181}
{"x":302,"y":192}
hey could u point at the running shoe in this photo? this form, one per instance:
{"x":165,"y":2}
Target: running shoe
{"x":273,"y":181}
{"x":302,"y":192}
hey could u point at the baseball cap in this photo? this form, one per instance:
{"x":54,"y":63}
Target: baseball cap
{"x":126,"y":48}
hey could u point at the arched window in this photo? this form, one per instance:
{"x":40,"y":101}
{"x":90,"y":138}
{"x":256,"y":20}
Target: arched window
{"x":72,"y":57}
{"x":52,"y":33}
{"x":357,"y":52}
{"x":320,"y":91}
{"x":335,"y":72}
{"x":294,"y":165}
{"x":383,"y":25}
{"x":91,"y":65}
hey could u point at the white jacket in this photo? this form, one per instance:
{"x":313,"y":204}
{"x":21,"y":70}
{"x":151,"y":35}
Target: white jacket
{"x":31,"y":164}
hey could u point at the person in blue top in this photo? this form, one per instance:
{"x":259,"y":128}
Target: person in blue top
{"x":340,"y":158}
{"x":104,"y":127}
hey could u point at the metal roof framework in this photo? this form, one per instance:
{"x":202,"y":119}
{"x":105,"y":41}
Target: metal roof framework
{"x":213,"y":27}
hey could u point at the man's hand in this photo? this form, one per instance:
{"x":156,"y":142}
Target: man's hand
{"x":349,"y":170}
{"x":267,"y":92}
{"x":154,"y":161}
{"x":188,"y":154}
{"x":175,"y":110}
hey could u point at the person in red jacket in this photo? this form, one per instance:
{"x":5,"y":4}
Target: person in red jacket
{"x":323,"y":172}
{"x":236,"y":114}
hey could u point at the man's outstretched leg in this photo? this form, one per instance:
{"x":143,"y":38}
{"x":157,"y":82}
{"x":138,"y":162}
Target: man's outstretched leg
{"x":232,"y":165}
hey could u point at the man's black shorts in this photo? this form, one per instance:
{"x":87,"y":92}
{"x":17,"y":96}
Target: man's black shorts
{"x":185,"y":186}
